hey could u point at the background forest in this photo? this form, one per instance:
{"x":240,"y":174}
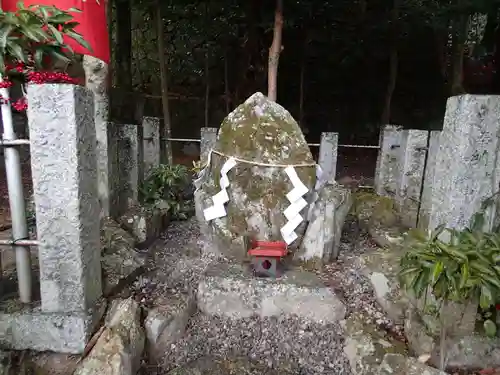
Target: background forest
{"x":345,"y":66}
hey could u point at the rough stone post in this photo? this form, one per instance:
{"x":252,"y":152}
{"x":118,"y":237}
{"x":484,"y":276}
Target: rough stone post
{"x":96,"y":75}
{"x":328,"y":153}
{"x":131,"y":156}
{"x":414,"y":151}
{"x":463,"y":167}
{"x":64,"y":166}
{"x":208,"y":139}
{"x":390,"y":156}
{"x":151,"y":143}
{"x":117,"y":205}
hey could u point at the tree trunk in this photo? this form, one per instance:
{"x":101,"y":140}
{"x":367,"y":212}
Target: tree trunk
{"x":227,"y":96}
{"x":123,"y":45}
{"x":207,"y":70}
{"x":274,"y":53}
{"x":165,"y":132}
{"x":301,"y":97}
{"x":457,"y":56}
{"x":496,"y":77}
{"x":393,"y":65}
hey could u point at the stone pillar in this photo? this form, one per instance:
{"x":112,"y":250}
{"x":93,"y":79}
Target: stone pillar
{"x":117,"y":206}
{"x":414,"y":151}
{"x":463,"y":167}
{"x":131,"y":155}
{"x":96,"y":75}
{"x":328,"y":153}
{"x":208,"y":139}
{"x":388,"y":170}
{"x":151,"y":143}
{"x":64,"y":167}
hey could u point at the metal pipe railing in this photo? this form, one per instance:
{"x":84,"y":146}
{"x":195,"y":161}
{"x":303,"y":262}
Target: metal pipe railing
{"x":24,"y":242}
{"x":14,"y":142}
{"x":16,"y":199}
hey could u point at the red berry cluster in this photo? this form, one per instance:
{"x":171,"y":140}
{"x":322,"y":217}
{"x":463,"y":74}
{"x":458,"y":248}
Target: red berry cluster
{"x":18,"y":67}
{"x":20,"y":104}
{"x":32,"y":77}
{"x":39,"y":78}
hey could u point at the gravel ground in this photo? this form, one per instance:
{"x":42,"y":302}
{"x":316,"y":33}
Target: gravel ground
{"x":290,"y":345}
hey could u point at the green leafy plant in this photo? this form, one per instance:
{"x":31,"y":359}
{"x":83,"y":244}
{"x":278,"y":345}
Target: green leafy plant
{"x":165,"y":189}
{"x":454,"y":265}
{"x":31,"y":34}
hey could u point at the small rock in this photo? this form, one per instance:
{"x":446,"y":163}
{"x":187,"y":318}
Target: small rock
{"x":118,"y":351}
{"x":166,"y":323}
{"x":144,"y":224}
{"x":366,"y":345}
{"x":399,"y":364}
{"x":119,"y":259}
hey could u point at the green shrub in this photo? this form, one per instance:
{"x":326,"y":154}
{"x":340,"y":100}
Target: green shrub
{"x":167,"y":188}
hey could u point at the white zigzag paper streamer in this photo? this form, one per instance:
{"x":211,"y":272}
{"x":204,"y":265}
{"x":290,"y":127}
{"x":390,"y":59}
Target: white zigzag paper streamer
{"x":297,"y":204}
{"x":221,"y":198}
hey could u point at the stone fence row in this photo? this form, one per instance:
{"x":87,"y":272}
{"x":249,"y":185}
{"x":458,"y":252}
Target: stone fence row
{"x":442,"y":177}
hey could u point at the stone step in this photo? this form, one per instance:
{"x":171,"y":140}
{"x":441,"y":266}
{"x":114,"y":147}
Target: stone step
{"x":231,"y":290}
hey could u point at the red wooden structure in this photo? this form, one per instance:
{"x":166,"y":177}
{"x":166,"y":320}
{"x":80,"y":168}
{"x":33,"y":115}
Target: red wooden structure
{"x":266,"y":257}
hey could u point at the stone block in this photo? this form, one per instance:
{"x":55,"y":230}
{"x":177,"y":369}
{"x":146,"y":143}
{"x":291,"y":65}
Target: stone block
{"x":400,"y":169}
{"x":166,"y":322}
{"x":328,"y":154}
{"x":389,"y":168}
{"x":96,"y":80}
{"x":410,"y":187}
{"x":35,"y":329}
{"x":64,"y":169}
{"x":232,"y":291}
{"x":322,"y":238}
{"x":464,"y":167}
{"x":131,"y":156}
{"x":151,"y":143}
{"x":117,"y":199}
{"x":208,"y":140}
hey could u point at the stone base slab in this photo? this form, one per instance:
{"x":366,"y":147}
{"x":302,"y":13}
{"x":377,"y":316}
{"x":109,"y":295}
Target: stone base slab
{"x":56,"y":332}
{"x":231,"y":290}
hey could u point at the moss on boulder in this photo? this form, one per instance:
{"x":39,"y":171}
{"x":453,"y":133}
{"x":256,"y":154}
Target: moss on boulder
{"x":264,"y":138}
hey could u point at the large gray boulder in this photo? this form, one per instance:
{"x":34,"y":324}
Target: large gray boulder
{"x":260,"y":134}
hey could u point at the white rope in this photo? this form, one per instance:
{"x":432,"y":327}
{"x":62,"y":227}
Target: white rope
{"x":246,"y":161}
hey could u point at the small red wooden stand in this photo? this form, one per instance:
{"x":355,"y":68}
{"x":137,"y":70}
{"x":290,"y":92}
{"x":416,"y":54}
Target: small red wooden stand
{"x":266,"y":257}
